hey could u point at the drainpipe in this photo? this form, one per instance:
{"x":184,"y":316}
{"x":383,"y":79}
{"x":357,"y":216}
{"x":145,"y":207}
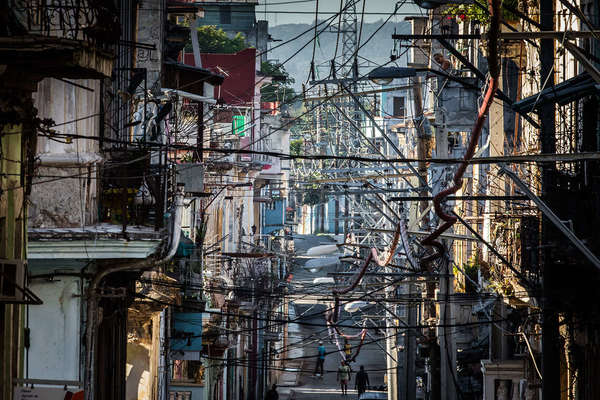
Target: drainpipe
{"x":93,"y":298}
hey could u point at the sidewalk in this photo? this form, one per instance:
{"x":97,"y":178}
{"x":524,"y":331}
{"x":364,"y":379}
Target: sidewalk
{"x":290,"y":377}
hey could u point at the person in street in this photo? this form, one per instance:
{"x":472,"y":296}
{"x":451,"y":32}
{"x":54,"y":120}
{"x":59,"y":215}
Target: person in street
{"x":347,"y":349}
{"x":320,"y":359}
{"x":272,"y":393}
{"x":343,"y":377}
{"x":361,"y":381}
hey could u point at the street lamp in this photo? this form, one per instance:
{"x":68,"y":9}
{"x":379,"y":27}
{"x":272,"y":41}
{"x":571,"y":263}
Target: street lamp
{"x":380,"y":76}
{"x":385,"y":75}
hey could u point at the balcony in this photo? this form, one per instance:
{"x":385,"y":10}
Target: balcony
{"x":221,"y":138}
{"x":72,"y":40}
{"x":135,"y":195}
{"x":273,"y":331}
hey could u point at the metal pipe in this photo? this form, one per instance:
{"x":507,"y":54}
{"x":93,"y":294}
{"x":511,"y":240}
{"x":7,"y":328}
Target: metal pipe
{"x":494,"y":70}
{"x":93,"y":297}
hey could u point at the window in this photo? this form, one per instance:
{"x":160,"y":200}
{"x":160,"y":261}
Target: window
{"x":466,"y":101}
{"x":190,"y":371}
{"x":180,"y":395}
{"x":225,"y":15}
{"x":399,"y":110}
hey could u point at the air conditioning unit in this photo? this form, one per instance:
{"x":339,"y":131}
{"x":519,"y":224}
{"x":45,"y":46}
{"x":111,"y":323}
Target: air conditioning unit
{"x":12,"y":280}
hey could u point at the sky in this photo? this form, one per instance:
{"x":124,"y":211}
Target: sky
{"x":279,"y":12}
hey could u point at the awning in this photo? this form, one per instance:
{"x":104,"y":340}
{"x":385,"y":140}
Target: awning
{"x":189,"y":78}
{"x":565,"y":92}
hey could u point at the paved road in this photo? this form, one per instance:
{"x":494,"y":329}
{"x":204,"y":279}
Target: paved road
{"x":310,"y":309}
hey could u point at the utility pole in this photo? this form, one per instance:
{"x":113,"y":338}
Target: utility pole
{"x":348,"y":34}
{"x":551,"y":337}
{"x":408,"y":382}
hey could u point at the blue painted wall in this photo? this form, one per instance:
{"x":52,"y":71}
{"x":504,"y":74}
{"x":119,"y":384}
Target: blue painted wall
{"x":196,"y":392}
{"x":186,"y":324}
{"x":330,"y":225}
{"x":273,"y":219}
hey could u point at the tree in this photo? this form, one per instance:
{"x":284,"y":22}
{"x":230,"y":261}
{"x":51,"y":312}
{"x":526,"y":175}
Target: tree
{"x":296,"y":147}
{"x":478,"y":12}
{"x":214,"y":40}
{"x":279,"y":90}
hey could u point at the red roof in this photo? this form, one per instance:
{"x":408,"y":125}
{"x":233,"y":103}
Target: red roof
{"x":239,"y":71}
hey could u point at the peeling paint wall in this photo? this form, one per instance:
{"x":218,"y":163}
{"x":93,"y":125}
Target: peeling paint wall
{"x":150,"y":16}
{"x":13,"y":211}
{"x":55,"y":329}
{"x":143,"y":352}
{"x":74,"y":111}
{"x":72,"y":202}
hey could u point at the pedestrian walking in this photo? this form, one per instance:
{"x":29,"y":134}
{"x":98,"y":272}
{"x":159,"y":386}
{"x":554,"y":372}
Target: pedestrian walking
{"x":343,"y":377}
{"x":361,"y":381}
{"x":320,"y":359}
{"x":272,"y":393}
{"x":347,"y":349}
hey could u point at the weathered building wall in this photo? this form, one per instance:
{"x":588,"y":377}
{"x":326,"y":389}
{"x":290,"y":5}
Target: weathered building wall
{"x":143,"y":352}
{"x":13,"y":214}
{"x":75,"y":111}
{"x":60,"y":202}
{"x":71,"y":202}
{"x":55,"y":329}
{"x":232,"y":17}
{"x":150,"y":30}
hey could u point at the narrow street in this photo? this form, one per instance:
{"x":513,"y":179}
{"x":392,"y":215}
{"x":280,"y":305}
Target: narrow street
{"x":309,"y":307}
{"x":209,"y":199}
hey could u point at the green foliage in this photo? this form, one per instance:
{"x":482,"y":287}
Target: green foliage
{"x":313,"y":193}
{"x":296,"y":147}
{"x":279,"y":90}
{"x":478,"y":13}
{"x":312,"y":197}
{"x":214,"y":40}
{"x":470,"y":268}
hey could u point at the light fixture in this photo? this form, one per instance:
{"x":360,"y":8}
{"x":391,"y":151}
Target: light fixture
{"x":385,"y":75}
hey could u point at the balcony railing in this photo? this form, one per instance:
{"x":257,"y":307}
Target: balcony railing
{"x":96,"y":22}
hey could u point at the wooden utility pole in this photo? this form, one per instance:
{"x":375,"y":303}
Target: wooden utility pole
{"x":551,"y":337}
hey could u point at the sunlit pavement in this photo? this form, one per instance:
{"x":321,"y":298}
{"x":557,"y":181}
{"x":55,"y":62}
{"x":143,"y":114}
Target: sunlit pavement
{"x":310,"y":309}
